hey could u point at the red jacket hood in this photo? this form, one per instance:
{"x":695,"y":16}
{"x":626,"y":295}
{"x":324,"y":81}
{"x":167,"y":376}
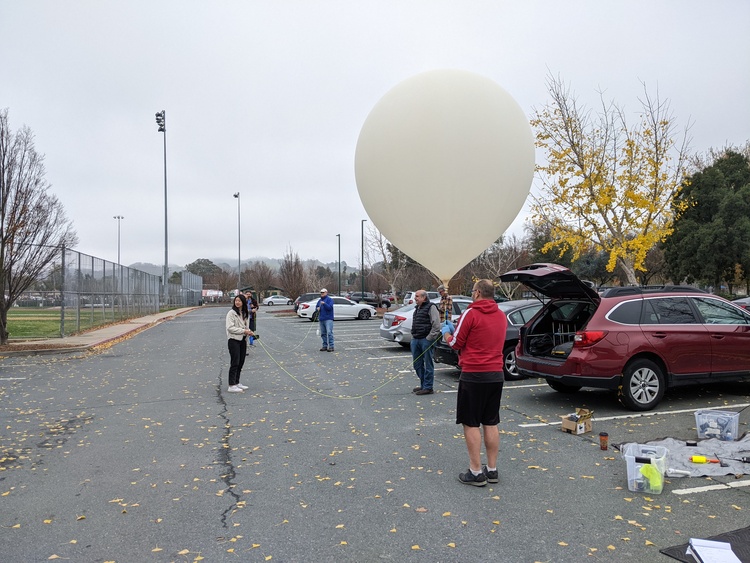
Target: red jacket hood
{"x":486,"y":306}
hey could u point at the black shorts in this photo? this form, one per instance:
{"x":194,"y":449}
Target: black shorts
{"x":478,"y":403}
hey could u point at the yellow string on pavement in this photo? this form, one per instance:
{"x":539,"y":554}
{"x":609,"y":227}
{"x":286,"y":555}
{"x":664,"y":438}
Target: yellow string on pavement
{"x":341,"y":397}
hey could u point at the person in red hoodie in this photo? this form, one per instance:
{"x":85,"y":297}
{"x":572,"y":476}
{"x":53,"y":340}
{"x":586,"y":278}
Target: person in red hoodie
{"x":478,"y":337}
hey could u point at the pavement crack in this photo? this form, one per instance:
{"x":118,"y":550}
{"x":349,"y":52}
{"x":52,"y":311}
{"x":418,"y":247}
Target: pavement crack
{"x":224,"y":456}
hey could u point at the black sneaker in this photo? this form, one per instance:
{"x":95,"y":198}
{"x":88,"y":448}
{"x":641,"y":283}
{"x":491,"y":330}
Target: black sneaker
{"x":424,"y":392}
{"x":490,"y":475}
{"x":330,"y":350}
{"x":416,"y":389}
{"x":324,"y":349}
{"x":469,"y":478}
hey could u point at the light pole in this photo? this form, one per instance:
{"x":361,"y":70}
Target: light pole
{"x":362,"y":271}
{"x":161,"y":121}
{"x":118,"y":217}
{"x":239,"y":270}
{"x":339,"y":263}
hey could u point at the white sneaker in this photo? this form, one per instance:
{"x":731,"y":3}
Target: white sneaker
{"x":234,"y":389}
{"x":243,"y":387}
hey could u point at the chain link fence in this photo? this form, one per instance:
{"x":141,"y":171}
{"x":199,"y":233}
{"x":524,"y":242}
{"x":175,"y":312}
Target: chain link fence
{"x":78,"y":292}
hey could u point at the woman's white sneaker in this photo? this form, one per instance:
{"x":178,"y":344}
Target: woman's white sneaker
{"x":235,"y":389}
{"x":243,"y":387}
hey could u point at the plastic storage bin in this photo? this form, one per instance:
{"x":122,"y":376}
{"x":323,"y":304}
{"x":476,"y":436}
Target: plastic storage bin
{"x":723,"y":425}
{"x":646,"y":467}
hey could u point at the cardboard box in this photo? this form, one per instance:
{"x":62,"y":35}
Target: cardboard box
{"x":578,"y":422}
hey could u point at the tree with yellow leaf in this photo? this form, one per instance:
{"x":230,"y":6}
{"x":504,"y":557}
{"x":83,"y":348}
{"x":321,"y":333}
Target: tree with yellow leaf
{"x":606,"y":185}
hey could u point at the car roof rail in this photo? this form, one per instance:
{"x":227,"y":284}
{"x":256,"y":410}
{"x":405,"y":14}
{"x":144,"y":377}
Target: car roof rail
{"x":640,"y":290}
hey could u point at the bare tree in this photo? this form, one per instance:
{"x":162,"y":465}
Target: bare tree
{"x":292,"y":275}
{"x":33,"y":227}
{"x":393,"y":263}
{"x":226,"y":280}
{"x":260,"y":276}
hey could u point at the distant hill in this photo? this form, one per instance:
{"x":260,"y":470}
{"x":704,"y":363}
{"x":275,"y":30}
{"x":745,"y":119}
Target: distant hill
{"x":231,"y":265}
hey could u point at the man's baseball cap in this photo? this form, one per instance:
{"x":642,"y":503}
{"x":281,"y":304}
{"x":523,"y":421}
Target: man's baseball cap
{"x":324,"y":290}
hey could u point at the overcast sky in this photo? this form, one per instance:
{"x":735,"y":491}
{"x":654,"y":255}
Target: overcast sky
{"x":268,"y":99}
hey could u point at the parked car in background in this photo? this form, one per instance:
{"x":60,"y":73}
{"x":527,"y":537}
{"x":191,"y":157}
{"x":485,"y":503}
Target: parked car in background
{"x":369,"y":298}
{"x":518,"y":312}
{"x":637,"y":341}
{"x":409,"y":297}
{"x":304,"y":298}
{"x":396,"y":325}
{"x":743,"y":302}
{"x":277,"y":300}
{"x":343,"y":308}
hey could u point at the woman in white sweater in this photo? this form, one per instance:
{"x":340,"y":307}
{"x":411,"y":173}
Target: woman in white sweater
{"x":237,"y":329}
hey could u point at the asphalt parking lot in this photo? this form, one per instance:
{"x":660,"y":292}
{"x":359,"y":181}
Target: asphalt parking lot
{"x":137,"y":453}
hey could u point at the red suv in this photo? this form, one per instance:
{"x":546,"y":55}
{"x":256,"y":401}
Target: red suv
{"x":639,"y":341}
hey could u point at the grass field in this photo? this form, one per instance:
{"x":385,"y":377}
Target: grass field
{"x":45,"y":323}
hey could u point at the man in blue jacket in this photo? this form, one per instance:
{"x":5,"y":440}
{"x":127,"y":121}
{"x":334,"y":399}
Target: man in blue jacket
{"x":325,"y":317}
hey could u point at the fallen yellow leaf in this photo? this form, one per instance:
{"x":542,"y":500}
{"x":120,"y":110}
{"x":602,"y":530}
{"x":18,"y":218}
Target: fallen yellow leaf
{"x":650,"y":542}
{"x":156,"y":550}
{"x":451,"y":544}
{"x":416,"y":547}
{"x":561,"y":543}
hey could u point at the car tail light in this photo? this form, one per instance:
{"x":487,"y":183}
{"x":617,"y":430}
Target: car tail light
{"x":304,"y":306}
{"x":397,"y":320}
{"x":588,"y":337}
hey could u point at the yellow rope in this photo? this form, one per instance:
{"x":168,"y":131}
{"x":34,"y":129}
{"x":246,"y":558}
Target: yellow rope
{"x":342,"y":397}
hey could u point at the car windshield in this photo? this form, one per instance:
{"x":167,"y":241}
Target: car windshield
{"x":405,"y":308}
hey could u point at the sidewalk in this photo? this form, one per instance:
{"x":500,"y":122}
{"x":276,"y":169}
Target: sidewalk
{"x":90,"y":339}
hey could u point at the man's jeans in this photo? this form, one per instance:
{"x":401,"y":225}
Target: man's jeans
{"x":326,"y":333}
{"x":421,"y":352}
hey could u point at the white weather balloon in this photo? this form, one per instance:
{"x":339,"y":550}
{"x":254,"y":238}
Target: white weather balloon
{"x":444,"y":163}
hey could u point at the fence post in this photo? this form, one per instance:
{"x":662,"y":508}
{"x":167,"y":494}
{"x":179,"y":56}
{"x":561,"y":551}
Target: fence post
{"x":62,"y":293}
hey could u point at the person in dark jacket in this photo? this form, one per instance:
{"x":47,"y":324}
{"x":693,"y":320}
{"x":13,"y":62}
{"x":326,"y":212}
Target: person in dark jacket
{"x":479,"y":337}
{"x":425,"y":330}
{"x":252,"y":309}
{"x":325,"y":317}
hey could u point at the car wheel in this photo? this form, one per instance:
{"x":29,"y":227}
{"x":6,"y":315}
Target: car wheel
{"x":288,"y":302}
{"x":510,"y":369}
{"x":269,"y":303}
{"x":642,"y":385}
{"x":364,"y":314}
{"x":385,"y":304}
{"x":405,"y":344}
{"x":314,"y":316}
{"x":561,"y":388}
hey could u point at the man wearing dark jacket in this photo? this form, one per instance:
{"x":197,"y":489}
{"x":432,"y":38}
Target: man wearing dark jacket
{"x":425,"y":329}
{"x":479,"y":337}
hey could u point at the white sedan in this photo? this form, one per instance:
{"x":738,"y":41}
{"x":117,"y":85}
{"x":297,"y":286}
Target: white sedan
{"x":343,"y":308}
{"x":396,"y":325}
{"x":277,"y":300}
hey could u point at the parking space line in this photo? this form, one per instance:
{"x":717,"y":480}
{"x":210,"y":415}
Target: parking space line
{"x":719,"y":487}
{"x":10,"y":378}
{"x":636,"y":415}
